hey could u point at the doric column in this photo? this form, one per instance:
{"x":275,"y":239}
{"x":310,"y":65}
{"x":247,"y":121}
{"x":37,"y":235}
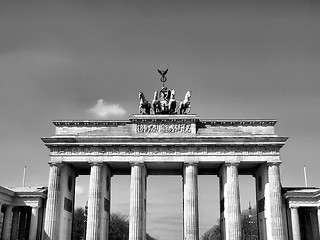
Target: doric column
{"x":275,"y":197}
{"x":190,"y":202}
{"x":295,"y":223}
{"x":15,"y":224}
{"x":51,"y":223}
{"x":7,"y":223}
{"x":232,"y":210}
{"x":34,"y":223}
{"x":94,"y":203}
{"x":318,"y":213}
{"x":22,"y":225}
{"x":137,"y":225}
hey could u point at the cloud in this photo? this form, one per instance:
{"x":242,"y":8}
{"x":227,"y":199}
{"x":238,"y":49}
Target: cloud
{"x":106,"y":110}
{"x":79,"y":190}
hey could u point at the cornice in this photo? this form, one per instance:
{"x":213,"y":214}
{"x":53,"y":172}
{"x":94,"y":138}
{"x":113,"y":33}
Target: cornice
{"x":303,"y":194}
{"x":89,"y":123}
{"x":239,"y":122}
{"x":196,"y":140}
{"x":31,"y":194}
{"x":165,"y":118}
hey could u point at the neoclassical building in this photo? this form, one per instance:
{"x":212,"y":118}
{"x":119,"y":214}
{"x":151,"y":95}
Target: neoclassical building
{"x":164,"y":144}
{"x":22,"y":212}
{"x":303,"y":212}
{"x":179,"y":144}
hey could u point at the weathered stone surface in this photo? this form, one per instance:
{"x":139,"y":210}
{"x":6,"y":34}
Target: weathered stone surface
{"x":166,"y":144}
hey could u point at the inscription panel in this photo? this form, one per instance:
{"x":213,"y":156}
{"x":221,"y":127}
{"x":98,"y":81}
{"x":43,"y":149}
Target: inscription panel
{"x":164,"y":128}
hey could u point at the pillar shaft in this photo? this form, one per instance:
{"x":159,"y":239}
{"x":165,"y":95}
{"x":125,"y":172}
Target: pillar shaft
{"x":295,"y":224}
{"x":137,"y":225}
{"x":190,"y":202}
{"x":34,"y":223}
{"x":22,"y":225}
{"x":232,"y":211}
{"x":7,"y":223}
{"x":275,"y":197}
{"x":318,"y":214}
{"x":15,"y":224}
{"x":94,"y":203}
{"x":51,"y":224}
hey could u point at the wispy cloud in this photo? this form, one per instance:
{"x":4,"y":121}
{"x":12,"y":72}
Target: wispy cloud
{"x":106,"y":110}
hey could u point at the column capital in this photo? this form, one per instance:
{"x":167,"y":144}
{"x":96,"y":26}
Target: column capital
{"x":294,"y":207}
{"x":236,"y":164}
{"x":137,"y":163}
{"x":191,"y":163}
{"x":56,"y":164}
{"x":99,"y":164}
{"x":274,"y":163}
{"x":9,"y":207}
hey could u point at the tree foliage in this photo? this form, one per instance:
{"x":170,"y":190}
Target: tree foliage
{"x":79,"y":224}
{"x":249,"y":227}
{"x":213,"y":233}
{"x":119,"y":226}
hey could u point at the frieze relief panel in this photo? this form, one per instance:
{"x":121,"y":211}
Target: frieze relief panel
{"x":164,"y":150}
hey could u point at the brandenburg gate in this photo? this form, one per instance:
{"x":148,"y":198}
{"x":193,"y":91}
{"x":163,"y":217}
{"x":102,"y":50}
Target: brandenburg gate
{"x":164,"y":143}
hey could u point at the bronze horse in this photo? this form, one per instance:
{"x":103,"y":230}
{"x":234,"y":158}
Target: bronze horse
{"x":144,"y":106}
{"x":185,"y":106}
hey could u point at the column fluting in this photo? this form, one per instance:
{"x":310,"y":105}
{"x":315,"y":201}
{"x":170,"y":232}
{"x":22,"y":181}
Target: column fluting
{"x":318,"y":214}
{"x":137,"y":222}
{"x":15,"y":223}
{"x":295,"y":223}
{"x":232,"y":202}
{"x":6,"y":230}
{"x":22,"y":224}
{"x":94,"y":203}
{"x":51,"y":224}
{"x":276,"y":212}
{"x":190,"y":202}
{"x":34,"y":223}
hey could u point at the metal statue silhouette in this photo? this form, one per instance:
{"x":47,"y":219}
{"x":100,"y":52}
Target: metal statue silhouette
{"x":164,"y":101}
{"x":144,"y":106}
{"x":163,"y":78}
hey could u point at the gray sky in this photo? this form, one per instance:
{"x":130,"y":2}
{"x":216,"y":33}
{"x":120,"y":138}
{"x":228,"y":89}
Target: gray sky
{"x":242,"y":59}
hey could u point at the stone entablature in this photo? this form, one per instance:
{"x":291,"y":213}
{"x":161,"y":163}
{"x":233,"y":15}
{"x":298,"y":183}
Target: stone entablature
{"x":22,"y":196}
{"x":170,"y":136}
{"x":302,"y":197}
{"x":165,"y":150}
{"x":165,"y":126}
